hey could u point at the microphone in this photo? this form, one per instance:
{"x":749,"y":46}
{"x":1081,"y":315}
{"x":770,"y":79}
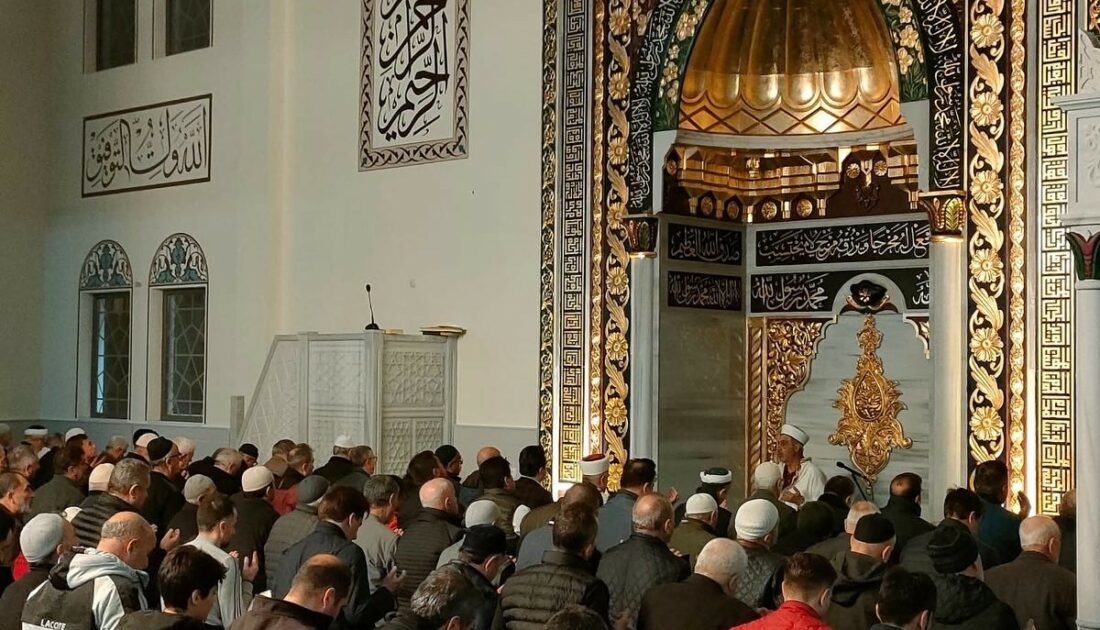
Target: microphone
{"x":372,"y":325}
{"x":853,"y":471}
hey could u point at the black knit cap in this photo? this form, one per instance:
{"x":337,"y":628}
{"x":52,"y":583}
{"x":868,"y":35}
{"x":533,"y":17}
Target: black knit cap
{"x":159,"y":448}
{"x":873,"y":529}
{"x":952,"y":550}
{"x":250,"y":450}
{"x":484,"y":540}
{"x":446,"y":454}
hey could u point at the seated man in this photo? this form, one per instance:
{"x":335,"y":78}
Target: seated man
{"x":905,"y":601}
{"x":188,"y":584}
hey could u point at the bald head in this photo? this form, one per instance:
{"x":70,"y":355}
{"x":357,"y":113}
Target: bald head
{"x":1041,"y":534}
{"x":438,"y":494}
{"x":858,"y":510}
{"x":129,"y":537}
{"x":581,"y":496}
{"x":322,"y":584}
{"x":487,"y":453}
{"x":722,"y":560}
{"x":652,"y":516}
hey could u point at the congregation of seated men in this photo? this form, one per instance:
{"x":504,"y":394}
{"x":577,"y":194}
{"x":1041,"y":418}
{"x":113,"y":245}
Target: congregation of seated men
{"x":146,"y":535}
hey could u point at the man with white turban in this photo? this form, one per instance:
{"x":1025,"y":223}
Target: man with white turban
{"x":802,"y":479}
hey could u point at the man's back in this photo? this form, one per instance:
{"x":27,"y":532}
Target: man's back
{"x":531,"y":493}
{"x":533,"y":595}
{"x":255,"y":518}
{"x":758,"y":586}
{"x":967,"y":603}
{"x":616,"y":520}
{"x":1000,"y":529}
{"x":429,"y":533}
{"x":904,"y":515}
{"x":15,"y":595}
{"x":635,"y":566}
{"x":855,"y":591}
{"x":287,"y":530}
{"x":1037,"y":589}
{"x":697,"y":603}
{"x":276,"y":614}
{"x":791,"y":615}
{"x":94,"y":513}
{"x":379,"y":544}
{"x":87,"y":591}
{"x":915,"y":555}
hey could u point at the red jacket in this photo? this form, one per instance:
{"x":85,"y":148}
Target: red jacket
{"x":790,"y":616}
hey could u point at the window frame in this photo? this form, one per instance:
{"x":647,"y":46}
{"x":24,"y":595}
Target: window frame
{"x":166,"y":357}
{"x":93,"y":356}
{"x":91,"y":37}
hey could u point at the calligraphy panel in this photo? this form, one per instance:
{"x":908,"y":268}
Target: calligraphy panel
{"x":414,"y":79}
{"x":814,"y":292}
{"x":902,"y":240}
{"x":165,"y":144}
{"x":694,"y":243}
{"x":705,"y":291}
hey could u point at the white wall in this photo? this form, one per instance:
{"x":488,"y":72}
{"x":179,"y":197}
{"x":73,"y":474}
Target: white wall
{"x":291,"y":229}
{"x":23,"y":132}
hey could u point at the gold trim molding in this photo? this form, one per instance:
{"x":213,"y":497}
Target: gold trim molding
{"x":869,"y":404}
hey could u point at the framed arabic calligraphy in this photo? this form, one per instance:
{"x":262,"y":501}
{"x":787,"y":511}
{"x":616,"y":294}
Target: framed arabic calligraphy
{"x":694,"y":243}
{"x":815,"y":292}
{"x":165,"y":144}
{"x":867,"y":242}
{"x":414,"y":81}
{"x":705,"y":291}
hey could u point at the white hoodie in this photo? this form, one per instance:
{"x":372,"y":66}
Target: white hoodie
{"x":94,"y":580}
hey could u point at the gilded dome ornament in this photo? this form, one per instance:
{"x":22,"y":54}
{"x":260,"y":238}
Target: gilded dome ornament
{"x":869,"y":405}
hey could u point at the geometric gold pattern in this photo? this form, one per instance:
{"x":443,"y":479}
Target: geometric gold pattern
{"x":869,"y":405}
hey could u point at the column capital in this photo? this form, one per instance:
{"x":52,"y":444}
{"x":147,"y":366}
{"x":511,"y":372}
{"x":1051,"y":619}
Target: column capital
{"x":946,"y":211}
{"x":1084,"y":248}
{"x":641,"y":235}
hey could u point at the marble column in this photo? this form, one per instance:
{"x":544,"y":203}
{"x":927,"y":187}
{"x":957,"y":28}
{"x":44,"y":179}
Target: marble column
{"x":947,"y":316}
{"x":1086,"y":409}
{"x":641,"y":243}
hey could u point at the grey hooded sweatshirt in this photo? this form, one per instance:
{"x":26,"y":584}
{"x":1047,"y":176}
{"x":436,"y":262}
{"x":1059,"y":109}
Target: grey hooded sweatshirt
{"x":86,"y":591}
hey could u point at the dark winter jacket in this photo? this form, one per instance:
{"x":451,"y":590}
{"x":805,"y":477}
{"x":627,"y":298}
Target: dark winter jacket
{"x":226,"y":483}
{"x":531,"y":493}
{"x":157,"y":620}
{"x":759,"y":586}
{"x":86,"y":591}
{"x":45,"y":469}
{"x":635,"y":566}
{"x":690,"y":537}
{"x":163,"y":502}
{"x":335,"y":469}
{"x":1068,"y":527}
{"x":410,"y":506}
{"x":840,"y":510}
{"x":356,"y":479}
{"x":616,"y":520}
{"x":255,"y":518}
{"x":722,"y":529}
{"x":275,"y":614}
{"x":489,"y":596}
{"x":533,"y":595}
{"x":288,"y":530}
{"x":1037,"y":589}
{"x":186,"y":520}
{"x":418,"y":549}
{"x":790,"y":616}
{"x":855,"y":591}
{"x":95,"y":512}
{"x":58,"y":494}
{"x":832,"y":547}
{"x":915,"y":556}
{"x":697,"y":603}
{"x":966,"y":603}
{"x":364,"y":609}
{"x":15,"y":596}
{"x":905,"y":516}
{"x":999,"y":529}
{"x":788,"y":516}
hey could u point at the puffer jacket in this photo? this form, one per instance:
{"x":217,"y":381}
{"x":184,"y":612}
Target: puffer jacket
{"x":506,"y":503}
{"x":791,"y":615}
{"x":534,"y":594}
{"x":276,"y":614}
{"x":94,"y":513}
{"x":289,"y":529}
{"x":855,"y":591}
{"x":634,"y":567}
{"x":759,"y":585}
{"x":966,"y":603}
{"x":86,"y":591}
{"x":616,"y":520}
{"x":418,"y":549}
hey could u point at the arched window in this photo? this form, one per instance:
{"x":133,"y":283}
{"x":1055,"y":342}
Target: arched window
{"x":103,"y":372}
{"x":178,"y":279}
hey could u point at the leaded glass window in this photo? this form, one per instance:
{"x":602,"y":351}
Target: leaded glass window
{"x":188,"y":25}
{"x":111,"y":355}
{"x":184,"y":356}
{"x":115,"y":33}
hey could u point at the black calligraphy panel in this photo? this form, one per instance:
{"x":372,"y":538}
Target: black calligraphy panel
{"x":705,"y":291}
{"x":814,"y":292}
{"x":693,"y":243}
{"x":906,"y":240}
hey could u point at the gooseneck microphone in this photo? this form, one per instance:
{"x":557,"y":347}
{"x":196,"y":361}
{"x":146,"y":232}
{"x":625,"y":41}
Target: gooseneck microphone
{"x":853,"y":471}
{"x":372,"y":325}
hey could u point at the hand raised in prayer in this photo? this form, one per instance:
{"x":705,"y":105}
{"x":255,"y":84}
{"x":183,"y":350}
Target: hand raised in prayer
{"x":393,"y":580}
{"x":251,"y":567}
{"x":1025,"y":504}
{"x":792,"y":495}
{"x":673,"y":495}
{"x":171,"y":540}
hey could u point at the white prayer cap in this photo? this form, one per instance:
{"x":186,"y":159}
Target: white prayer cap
{"x":766,"y":475}
{"x":36,"y":430}
{"x":185,"y":445}
{"x":196,"y":487}
{"x":41,"y":536}
{"x":700,"y":504}
{"x":73,"y":432}
{"x":799,"y":435}
{"x":256,"y":478}
{"x":70,"y":512}
{"x":483,"y":512}
{"x":755,"y":519}
{"x":594,"y":465}
{"x":343,"y":441}
{"x":100,"y":477}
{"x":144,"y":439}
{"x":716,"y":476}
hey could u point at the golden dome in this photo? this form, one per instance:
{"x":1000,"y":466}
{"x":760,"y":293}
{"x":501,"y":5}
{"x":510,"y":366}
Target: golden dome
{"x":770,"y":67}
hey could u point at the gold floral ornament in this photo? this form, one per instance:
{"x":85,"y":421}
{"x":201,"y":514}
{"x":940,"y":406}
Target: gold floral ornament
{"x":869,"y":405}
